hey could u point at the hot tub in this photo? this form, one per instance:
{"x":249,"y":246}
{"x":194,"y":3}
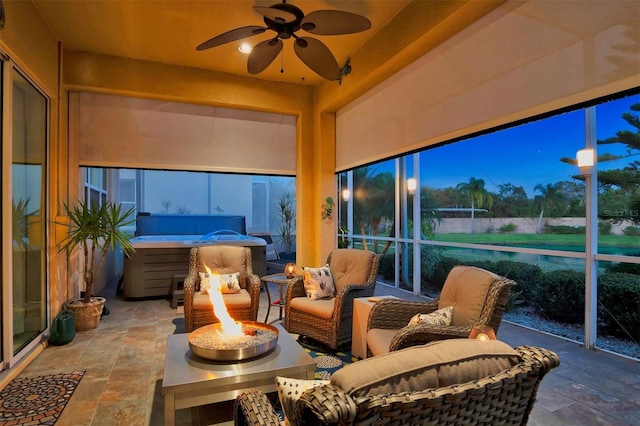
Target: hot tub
{"x":161,"y":259}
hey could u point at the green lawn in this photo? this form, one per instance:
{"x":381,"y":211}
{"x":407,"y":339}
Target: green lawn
{"x":542,"y":240}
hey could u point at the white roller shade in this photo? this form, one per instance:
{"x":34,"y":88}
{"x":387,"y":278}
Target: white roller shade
{"x":116,"y":131}
{"x":520,"y":60}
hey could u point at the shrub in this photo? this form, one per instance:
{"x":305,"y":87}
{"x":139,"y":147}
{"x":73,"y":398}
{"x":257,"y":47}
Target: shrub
{"x":508,"y":228}
{"x":564,"y":229}
{"x":560,"y":296}
{"x":525,"y":275}
{"x":633,"y":231}
{"x":430,"y":260}
{"x":604,"y":227}
{"x":619,"y":304}
{"x":629,"y":268}
{"x":387,"y":266}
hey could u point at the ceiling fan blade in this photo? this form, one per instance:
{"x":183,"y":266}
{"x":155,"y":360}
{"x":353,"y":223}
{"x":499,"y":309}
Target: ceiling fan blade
{"x":232,"y":35}
{"x":334,"y":22}
{"x":318,"y":57}
{"x":277,"y":15}
{"x":263,"y":54}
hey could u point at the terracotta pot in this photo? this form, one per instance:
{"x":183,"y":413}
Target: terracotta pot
{"x":86,"y":315}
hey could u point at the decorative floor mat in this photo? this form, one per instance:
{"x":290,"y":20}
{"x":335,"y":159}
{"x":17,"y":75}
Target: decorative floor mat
{"x":329,"y":363}
{"x":37,"y":400}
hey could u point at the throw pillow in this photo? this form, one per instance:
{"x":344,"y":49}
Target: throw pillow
{"x":205,"y":283}
{"x":289,"y":391}
{"x":229,"y":283}
{"x":440,"y":317}
{"x":318,"y":283}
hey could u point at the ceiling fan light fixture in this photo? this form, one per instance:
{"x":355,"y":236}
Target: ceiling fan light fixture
{"x":245,"y":48}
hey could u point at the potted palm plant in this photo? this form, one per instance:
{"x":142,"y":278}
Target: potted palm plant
{"x":95,"y":231}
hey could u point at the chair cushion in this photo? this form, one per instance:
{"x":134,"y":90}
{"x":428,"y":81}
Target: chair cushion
{"x":322,"y":308}
{"x":222,"y":259}
{"x":289,"y":391}
{"x":318,"y":283}
{"x":235,"y":300}
{"x":466,"y":289}
{"x":436,"y":364}
{"x":440,"y":317}
{"x":379,"y":340}
{"x":350,"y":266}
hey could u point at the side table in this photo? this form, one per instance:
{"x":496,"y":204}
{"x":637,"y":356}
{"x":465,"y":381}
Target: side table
{"x":361,"y":309}
{"x":282,"y":281}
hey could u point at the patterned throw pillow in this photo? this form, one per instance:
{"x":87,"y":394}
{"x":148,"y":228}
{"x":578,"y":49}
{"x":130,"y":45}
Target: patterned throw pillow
{"x":289,"y":391}
{"x":318,"y":283}
{"x":229,"y":283}
{"x":440,"y":317}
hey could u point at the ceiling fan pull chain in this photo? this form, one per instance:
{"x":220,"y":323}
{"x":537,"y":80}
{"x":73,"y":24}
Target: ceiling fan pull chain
{"x":282,"y":61}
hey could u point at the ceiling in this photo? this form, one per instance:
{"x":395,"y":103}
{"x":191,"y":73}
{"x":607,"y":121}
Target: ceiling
{"x":168,"y":31}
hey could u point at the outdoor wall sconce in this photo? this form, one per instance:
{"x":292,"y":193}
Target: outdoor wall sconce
{"x":412,"y":184}
{"x":586,"y":159}
{"x":482,"y":332}
{"x":346,"y":194}
{"x":290,"y":270}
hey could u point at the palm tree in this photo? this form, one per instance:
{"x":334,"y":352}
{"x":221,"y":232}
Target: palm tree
{"x":477,"y":195}
{"x":551,"y":197}
{"x":373,"y":195}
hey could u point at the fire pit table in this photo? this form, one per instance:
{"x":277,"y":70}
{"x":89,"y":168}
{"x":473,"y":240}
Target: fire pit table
{"x":190,"y":380}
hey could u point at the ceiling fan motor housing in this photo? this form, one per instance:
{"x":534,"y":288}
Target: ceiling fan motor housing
{"x":285,"y":29}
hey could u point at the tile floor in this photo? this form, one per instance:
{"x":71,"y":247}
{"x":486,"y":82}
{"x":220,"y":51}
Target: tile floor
{"x":124,"y":360}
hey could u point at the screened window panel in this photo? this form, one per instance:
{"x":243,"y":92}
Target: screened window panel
{"x":522,"y":59}
{"x":118,"y":131}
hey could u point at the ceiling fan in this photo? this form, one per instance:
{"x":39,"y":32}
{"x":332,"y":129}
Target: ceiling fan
{"x":286,"y":20}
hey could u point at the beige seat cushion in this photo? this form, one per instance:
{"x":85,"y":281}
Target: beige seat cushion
{"x":350,"y":266}
{"x":378,"y":340}
{"x":231,"y":300}
{"x":322,"y":308}
{"x":466,"y":289}
{"x":436,"y":364}
{"x":223,"y":260}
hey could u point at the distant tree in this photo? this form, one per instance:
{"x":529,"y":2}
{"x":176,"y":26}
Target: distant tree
{"x":574,"y":194}
{"x":477,"y":195}
{"x":446,"y":197}
{"x":627,"y":179}
{"x":620,"y":188}
{"x":373,"y":200}
{"x":510,"y":201}
{"x":429,"y":214}
{"x":166,"y":205}
{"x":551,"y":199}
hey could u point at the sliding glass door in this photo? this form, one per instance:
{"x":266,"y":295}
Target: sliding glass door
{"x":24,"y":290}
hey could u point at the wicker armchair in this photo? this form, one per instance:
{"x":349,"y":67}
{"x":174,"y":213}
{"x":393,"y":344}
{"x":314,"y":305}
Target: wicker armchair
{"x":329,"y":321}
{"x":506,"y":398}
{"x":479,"y":297}
{"x":198,"y":310}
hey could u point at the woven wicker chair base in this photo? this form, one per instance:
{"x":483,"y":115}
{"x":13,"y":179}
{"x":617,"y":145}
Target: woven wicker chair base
{"x":505,"y":398}
{"x":318,"y":329}
{"x":203,"y":317}
{"x":334,"y":332}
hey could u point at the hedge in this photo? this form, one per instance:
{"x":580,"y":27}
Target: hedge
{"x":619,"y":304}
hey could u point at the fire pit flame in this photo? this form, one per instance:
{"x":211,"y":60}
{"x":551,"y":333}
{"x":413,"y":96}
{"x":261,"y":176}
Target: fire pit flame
{"x":228,"y":326}
{"x":230,"y":339}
